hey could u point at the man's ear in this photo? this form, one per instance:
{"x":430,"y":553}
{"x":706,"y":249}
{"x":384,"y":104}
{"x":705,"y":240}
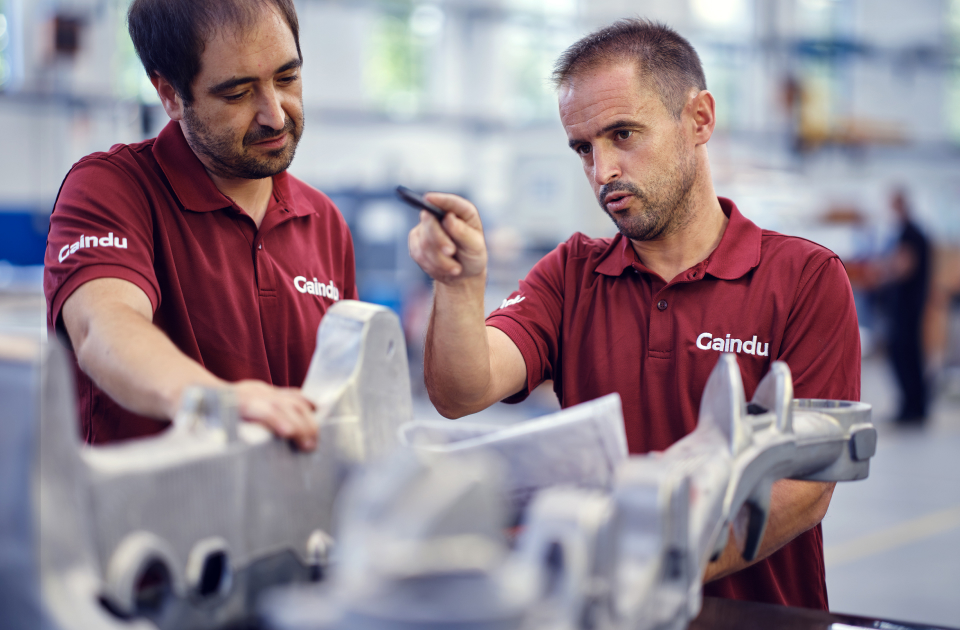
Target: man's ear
{"x":702,"y":109}
{"x":171,"y":101}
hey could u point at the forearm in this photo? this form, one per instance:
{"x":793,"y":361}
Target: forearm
{"x":795,"y":507}
{"x":136,"y":364}
{"x":456,"y":352}
{"x":467,"y":366}
{"x":110,"y":325}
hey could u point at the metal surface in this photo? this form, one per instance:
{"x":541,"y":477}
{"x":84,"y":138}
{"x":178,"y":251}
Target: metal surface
{"x":630,"y":557}
{"x":670,"y":513}
{"x":186,"y":529}
{"x":191,"y":528}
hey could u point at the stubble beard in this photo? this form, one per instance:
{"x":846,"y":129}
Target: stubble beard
{"x":225,"y":160}
{"x":665,"y":203}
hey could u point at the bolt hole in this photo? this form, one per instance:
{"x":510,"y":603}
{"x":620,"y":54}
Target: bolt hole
{"x":215,"y":569}
{"x":153,"y":588}
{"x":554,"y":563}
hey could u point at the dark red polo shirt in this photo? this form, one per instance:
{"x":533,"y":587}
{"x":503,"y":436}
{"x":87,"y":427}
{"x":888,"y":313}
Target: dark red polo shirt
{"x":591,"y":317}
{"x":243,"y":302}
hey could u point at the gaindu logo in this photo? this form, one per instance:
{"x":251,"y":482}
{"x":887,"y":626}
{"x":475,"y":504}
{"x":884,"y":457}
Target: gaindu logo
{"x":315,"y":287}
{"x":706,"y":341}
{"x":92,"y":241}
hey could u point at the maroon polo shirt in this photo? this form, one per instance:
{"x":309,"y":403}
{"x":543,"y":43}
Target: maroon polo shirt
{"x":593,"y":319}
{"x":243,"y":302}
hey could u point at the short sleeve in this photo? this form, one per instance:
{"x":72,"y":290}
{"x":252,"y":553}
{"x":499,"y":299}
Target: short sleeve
{"x":100,"y":227}
{"x":349,"y":262}
{"x":821,"y":341}
{"x":532,"y":316}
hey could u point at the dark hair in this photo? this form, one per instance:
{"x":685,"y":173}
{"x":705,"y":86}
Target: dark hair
{"x":170,"y":35}
{"x":660,"y":53}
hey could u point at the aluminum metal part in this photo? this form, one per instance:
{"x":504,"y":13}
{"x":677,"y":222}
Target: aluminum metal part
{"x":190,"y":528}
{"x":185,"y":529}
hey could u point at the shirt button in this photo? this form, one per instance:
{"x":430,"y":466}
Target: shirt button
{"x":662,"y":305}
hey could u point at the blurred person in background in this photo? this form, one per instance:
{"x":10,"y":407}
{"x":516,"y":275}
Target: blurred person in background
{"x":647,"y":313}
{"x":194,"y":258}
{"x":905,"y":278}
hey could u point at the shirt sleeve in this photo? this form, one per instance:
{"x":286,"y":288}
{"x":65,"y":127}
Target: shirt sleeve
{"x":821,"y":341}
{"x":100,"y":227}
{"x":349,"y":263}
{"x":532,"y":316}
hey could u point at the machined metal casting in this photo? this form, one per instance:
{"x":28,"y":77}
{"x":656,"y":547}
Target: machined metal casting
{"x":186,"y":529}
{"x":628,"y":550}
{"x":216,"y":520}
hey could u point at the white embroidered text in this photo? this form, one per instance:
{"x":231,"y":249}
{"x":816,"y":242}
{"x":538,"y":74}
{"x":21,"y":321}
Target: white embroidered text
{"x":92,"y":241}
{"x":515,"y":300}
{"x":314,"y":287}
{"x":707,"y":341}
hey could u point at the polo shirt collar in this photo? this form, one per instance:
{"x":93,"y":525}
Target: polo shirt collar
{"x":737,"y":253}
{"x":185,"y":172}
{"x":193,"y":186}
{"x":290,"y":196}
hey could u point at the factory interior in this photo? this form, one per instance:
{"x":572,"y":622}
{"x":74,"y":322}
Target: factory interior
{"x":826,"y":108}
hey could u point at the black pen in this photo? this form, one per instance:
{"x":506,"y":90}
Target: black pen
{"x":417,"y":201}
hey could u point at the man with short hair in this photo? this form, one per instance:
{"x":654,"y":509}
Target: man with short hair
{"x":194,"y":258}
{"x":906,"y":280}
{"x":647,"y":313}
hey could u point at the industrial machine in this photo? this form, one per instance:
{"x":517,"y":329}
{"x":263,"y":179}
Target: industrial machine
{"x":389,"y":524}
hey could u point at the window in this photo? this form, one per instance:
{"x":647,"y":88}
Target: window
{"x":130,"y":80}
{"x":5,"y":69}
{"x":953,"y":68}
{"x":395,"y":72}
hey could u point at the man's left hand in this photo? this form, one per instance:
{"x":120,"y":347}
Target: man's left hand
{"x":795,"y":507}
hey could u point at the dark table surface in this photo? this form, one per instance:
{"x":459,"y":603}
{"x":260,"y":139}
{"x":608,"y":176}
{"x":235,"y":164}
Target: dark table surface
{"x":726,"y":614}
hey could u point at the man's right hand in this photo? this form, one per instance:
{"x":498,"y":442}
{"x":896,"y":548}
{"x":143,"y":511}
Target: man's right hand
{"x":466,"y":365}
{"x":283,"y":410}
{"x":109,"y":322}
{"x":454,"y":251}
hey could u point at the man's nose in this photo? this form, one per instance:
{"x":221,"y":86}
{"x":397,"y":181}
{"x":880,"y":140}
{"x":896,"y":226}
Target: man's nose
{"x":270,"y":110}
{"x":606,"y":166}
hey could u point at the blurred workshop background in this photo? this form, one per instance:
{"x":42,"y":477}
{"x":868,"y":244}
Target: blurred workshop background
{"x":826,"y":108}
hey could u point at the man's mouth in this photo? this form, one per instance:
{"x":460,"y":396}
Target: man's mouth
{"x":617,"y":201}
{"x":272,"y":143}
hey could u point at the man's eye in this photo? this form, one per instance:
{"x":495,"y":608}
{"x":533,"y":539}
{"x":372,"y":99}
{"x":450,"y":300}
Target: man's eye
{"x":289,"y":79}
{"x":583,"y":149}
{"x":233,"y":97}
{"x":623,"y":134}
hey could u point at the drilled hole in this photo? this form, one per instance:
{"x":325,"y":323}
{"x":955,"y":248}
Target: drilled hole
{"x":215,"y":568}
{"x":554,"y":561}
{"x":153,"y":588}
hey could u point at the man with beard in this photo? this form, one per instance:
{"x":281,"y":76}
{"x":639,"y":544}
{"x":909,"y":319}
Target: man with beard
{"x":194,"y":258}
{"x":647,"y":313}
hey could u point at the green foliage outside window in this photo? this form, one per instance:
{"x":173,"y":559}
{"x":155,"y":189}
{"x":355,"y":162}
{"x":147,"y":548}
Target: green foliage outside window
{"x":401,"y":59}
{"x":532,"y":49}
{"x":395,"y":73}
